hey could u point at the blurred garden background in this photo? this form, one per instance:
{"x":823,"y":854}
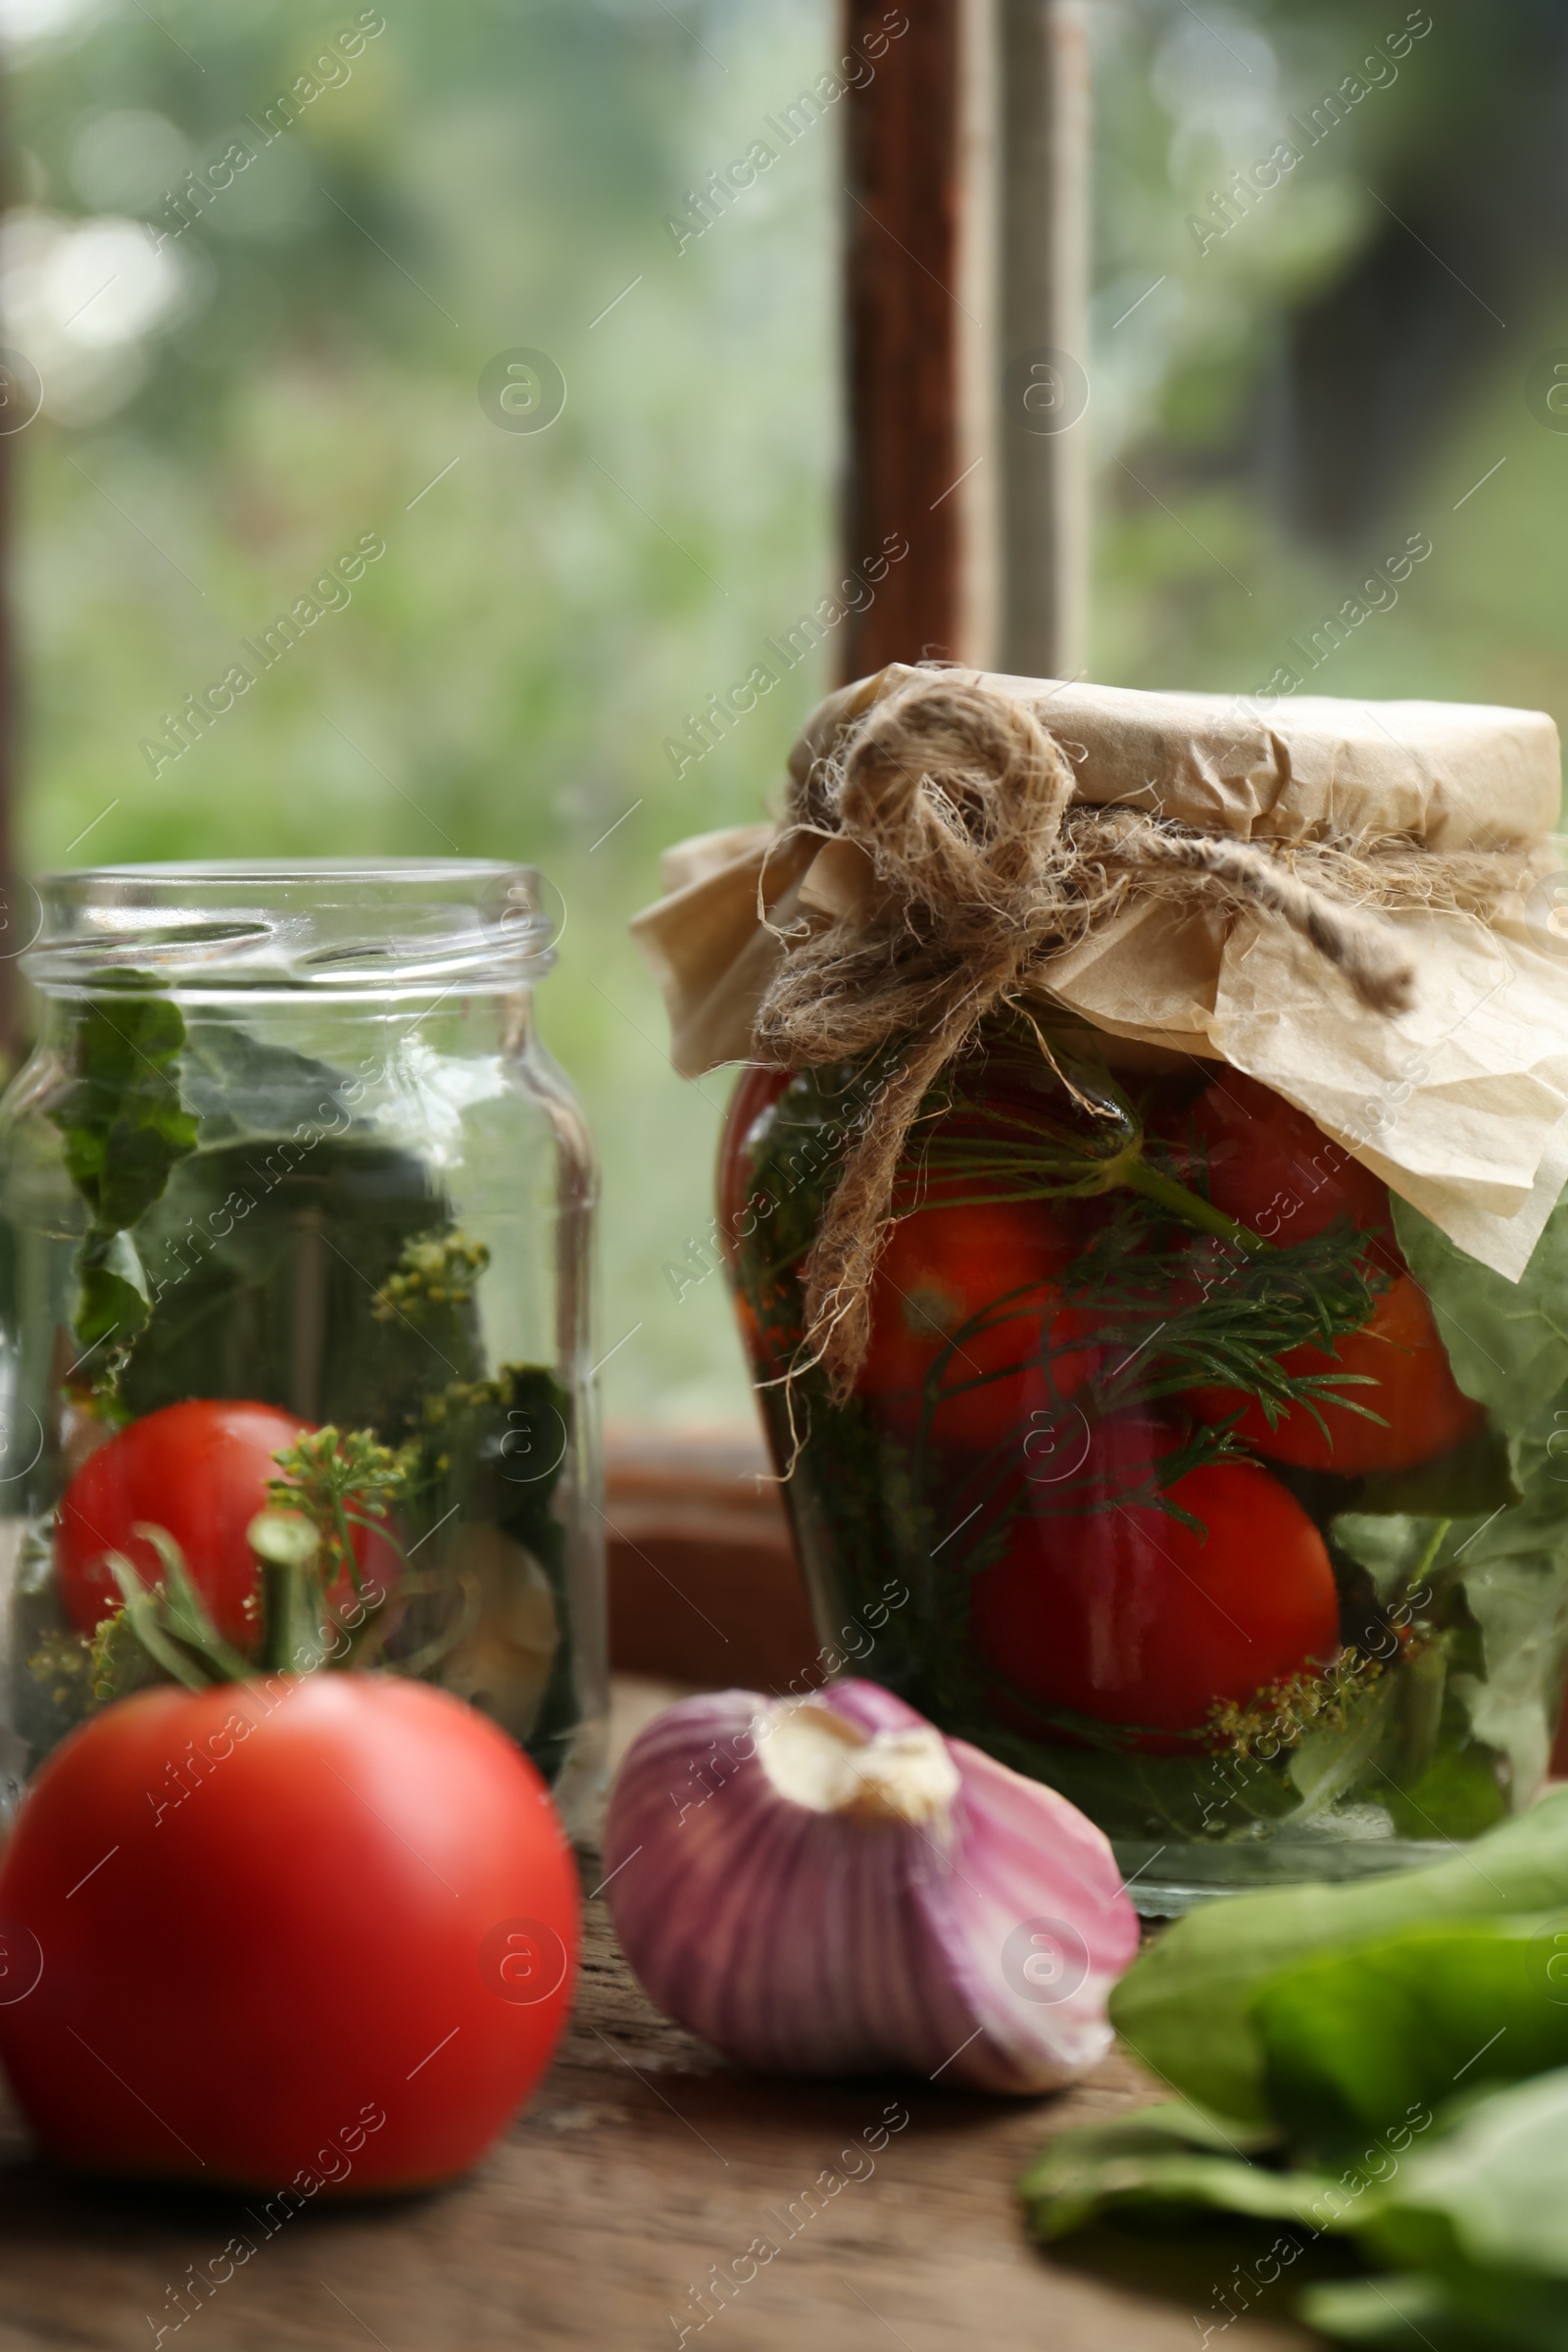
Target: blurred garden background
{"x":1298,"y":370}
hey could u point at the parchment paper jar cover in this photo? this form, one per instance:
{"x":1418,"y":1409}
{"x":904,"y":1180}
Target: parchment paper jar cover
{"x":288,"y":1136}
{"x":1424,"y":829}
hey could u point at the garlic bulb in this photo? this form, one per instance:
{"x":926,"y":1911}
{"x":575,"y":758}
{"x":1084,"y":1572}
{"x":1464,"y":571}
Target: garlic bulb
{"x":831,"y":1887}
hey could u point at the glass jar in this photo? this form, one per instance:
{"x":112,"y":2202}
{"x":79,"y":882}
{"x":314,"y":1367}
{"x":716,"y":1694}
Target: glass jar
{"x":1187,"y":1470}
{"x":295,"y":1212}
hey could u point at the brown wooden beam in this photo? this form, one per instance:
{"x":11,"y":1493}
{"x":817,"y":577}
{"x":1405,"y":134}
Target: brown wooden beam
{"x":965,"y":343}
{"x":1043,"y":357}
{"x":902,"y":326}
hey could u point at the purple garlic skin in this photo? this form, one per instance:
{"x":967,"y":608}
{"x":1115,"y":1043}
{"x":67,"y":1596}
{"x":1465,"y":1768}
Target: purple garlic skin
{"x":830,"y":1886}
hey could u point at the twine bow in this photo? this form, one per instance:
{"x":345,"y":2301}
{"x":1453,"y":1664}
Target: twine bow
{"x":985,"y":867}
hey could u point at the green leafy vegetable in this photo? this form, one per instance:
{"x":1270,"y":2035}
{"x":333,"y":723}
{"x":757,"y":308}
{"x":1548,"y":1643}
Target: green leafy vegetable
{"x":1480,"y":2312}
{"x":1173,"y":2154}
{"x":1469,"y":2206}
{"x":1382,"y":2065}
{"x":1185,"y":2005}
{"x":1401,"y":2089}
{"x":1355,"y":2037}
{"x":1486,"y":2201}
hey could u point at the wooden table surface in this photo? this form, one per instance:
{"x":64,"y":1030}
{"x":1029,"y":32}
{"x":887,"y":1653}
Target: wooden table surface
{"x":643,"y":2161}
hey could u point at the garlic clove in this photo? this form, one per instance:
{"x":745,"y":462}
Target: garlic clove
{"x":826,"y":1762}
{"x":831,"y":1887}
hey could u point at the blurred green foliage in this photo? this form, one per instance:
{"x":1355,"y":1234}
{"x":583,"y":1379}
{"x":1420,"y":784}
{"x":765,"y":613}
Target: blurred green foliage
{"x":228,"y":412}
{"x":552,"y":606}
{"x":1318,"y":368}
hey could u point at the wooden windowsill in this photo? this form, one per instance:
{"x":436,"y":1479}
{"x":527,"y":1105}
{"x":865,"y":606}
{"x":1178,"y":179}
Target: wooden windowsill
{"x":703,"y":1583}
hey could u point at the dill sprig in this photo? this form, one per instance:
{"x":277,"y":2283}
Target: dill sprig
{"x":1189,"y":1311}
{"x":1278,"y":1716}
{"x":434,"y":1272}
{"x":339,"y":1480}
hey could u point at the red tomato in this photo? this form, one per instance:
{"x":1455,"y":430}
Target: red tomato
{"x":941,"y":1268}
{"x":1274,"y":1170}
{"x":201,"y":1470}
{"x":1124,"y":1614}
{"x":313,"y":1934}
{"x":1424,"y":1409}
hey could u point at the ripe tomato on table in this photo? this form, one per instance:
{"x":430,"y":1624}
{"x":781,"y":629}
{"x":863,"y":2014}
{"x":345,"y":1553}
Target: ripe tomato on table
{"x":1125,"y":1614}
{"x":200,"y":1469}
{"x":318,"y":1934}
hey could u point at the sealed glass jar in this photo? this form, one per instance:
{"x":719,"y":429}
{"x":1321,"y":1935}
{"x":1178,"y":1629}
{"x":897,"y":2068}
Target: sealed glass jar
{"x":294,"y":1219}
{"x":1155,"y":1269}
{"x":1186,"y":1469}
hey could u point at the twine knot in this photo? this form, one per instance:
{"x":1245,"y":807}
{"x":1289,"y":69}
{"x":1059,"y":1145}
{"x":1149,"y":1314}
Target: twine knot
{"x":982,"y":866}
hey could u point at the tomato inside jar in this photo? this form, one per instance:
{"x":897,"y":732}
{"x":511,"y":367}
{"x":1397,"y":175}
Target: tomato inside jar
{"x":1128,"y":1482}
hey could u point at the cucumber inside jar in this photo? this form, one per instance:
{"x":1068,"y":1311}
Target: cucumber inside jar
{"x":262,"y":1299}
{"x":1207,"y":1509}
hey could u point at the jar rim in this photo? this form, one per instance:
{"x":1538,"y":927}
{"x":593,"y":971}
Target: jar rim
{"x":282,"y":870}
{"x":353,"y":925}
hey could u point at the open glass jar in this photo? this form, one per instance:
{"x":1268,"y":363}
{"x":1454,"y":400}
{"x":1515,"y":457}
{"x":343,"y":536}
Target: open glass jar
{"x":1187,"y":1469}
{"x":295,"y":1215}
